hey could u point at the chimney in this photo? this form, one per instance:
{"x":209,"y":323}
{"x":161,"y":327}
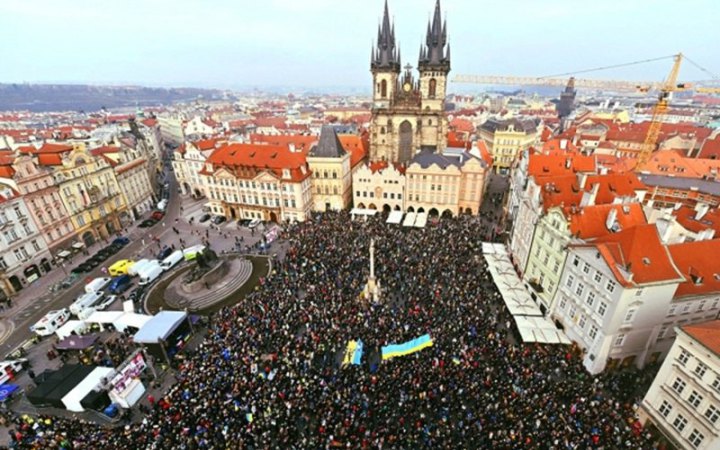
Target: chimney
{"x":588,"y":198}
{"x":291,"y":147}
{"x":611,"y":219}
{"x":583,"y":180}
{"x":700,"y":210}
{"x":568,"y":163}
{"x":563,"y":144}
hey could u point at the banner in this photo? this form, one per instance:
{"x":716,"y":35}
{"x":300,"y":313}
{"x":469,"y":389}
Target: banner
{"x":129,"y":370}
{"x":353,"y":353}
{"x":393,"y":350}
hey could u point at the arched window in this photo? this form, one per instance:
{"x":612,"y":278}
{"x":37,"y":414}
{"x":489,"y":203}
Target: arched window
{"x":432,"y":87}
{"x":383,"y":89}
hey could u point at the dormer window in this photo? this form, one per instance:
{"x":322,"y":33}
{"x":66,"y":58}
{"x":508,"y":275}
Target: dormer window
{"x":286,"y":173}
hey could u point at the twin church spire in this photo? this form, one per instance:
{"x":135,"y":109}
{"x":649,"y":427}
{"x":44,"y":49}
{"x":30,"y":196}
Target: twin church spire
{"x":435,"y":54}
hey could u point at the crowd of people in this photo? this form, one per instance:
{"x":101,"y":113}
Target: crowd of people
{"x":269,"y":373}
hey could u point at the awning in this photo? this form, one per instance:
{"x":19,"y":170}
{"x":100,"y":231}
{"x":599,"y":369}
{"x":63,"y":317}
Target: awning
{"x":159,"y":327}
{"x":420,"y":220}
{"x":363,"y":212}
{"x":131,"y":319}
{"x":64,"y":254}
{"x":78,"y":245}
{"x":77,"y":342}
{"x":395,"y":217}
{"x":409,"y":219}
{"x":539,"y":329}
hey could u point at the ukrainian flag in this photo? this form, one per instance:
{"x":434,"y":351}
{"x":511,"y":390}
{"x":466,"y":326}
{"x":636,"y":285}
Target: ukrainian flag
{"x":391,"y":351}
{"x":353,"y":353}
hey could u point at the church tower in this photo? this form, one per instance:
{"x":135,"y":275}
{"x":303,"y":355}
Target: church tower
{"x":408,"y":114}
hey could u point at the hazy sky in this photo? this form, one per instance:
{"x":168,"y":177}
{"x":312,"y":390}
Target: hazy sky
{"x":315,"y":43}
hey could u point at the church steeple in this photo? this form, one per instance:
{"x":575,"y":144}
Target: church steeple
{"x":435,"y":55}
{"x":386,"y":56}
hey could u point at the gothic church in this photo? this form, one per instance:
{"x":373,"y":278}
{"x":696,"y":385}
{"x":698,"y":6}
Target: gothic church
{"x":408,"y":114}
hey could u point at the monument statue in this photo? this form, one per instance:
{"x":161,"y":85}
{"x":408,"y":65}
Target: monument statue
{"x":372,"y":288}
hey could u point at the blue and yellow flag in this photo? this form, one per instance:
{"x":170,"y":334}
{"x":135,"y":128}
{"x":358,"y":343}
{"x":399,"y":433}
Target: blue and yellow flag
{"x":393,"y":350}
{"x":353,"y":353}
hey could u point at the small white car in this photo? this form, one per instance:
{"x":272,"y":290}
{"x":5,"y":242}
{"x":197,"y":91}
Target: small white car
{"x":253,"y":223}
{"x":13,"y":366}
{"x":109,"y":300}
{"x":51,"y":322}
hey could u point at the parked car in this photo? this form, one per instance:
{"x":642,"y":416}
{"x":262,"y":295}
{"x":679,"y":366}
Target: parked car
{"x":243,"y":222}
{"x":149,"y":274}
{"x":51,"y":322}
{"x":81,"y":268}
{"x":191,"y":253}
{"x":157,"y":215}
{"x":120,"y":267}
{"x":147,"y":223}
{"x":254,"y":223}
{"x":121,"y":241}
{"x":171,"y":260}
{"x":204,"y":218}
{"x":120,"y":284}
{"x":137,"y":293}
{"x":164,"y":253}
{"x":11,"y":367}
{"x":217,"y":220}
{"x":85,"y":301}
{"x":91,"y":263}
{"x":97,"y":284}
{"x":107,"y":301}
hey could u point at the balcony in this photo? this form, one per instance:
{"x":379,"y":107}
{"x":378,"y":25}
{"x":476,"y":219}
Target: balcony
{"x":537,"y":287}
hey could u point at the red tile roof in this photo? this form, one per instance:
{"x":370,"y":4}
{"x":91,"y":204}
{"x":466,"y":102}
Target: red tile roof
{"x":708,"y":334}
{"x":130,"y":165}
{"x":556,"y":145}
{"x":462,"y":125}
{"x":149,"y":122}
{"x":590,"y":222}
{"x":710,"y":148}
{"x":379,"y":166}
{"x":247,"y":160}
{"x":686,"y":217}
{"x":670,"y":162}
{"x":639,"y":251}
{"x":541,"y":165}
{"x":301,"y":142}
{"x":49,"y":147}
{"x":699,"y":263}
{"x":565,"y":191}
{"x":356,"y":145}
{"x":206,"y":144}
{"x":484,"y":152}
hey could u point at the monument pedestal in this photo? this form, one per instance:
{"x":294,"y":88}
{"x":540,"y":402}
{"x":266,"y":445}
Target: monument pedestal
{"x":372,"y":290}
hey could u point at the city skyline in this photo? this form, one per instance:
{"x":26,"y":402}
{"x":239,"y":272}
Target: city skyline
{"x":314,"y":44}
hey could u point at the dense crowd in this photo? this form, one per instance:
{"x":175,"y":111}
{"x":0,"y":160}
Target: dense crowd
{"x":268,"y":374}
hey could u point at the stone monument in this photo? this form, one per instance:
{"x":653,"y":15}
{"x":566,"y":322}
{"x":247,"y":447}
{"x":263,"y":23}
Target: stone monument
{"x":372,"y":288}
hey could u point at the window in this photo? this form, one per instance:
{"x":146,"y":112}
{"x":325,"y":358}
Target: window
{"x":696,"y":438}
{"x":680,"y":423}
{"x":563,"y":303}
{"x":598,"y":277}
{"x":712,"y":414}
{"x":586,"y":268}
{"x":579,"y":289}
{"x":684,"y":357}
{"x":672,"y":310}
{"x":630,"y":315}
{"x":695,"y":399}
{"x":570,"y":281}
{"x":576,"y":261}
{"x":619,"y":340}
{"x":593,"y":332}
{"x":610,"y":286}
{"x":700,"y":369}
{"x":556,"y":267}
{"x":590,"y":298}
{"x":679,"y":385}
{"x":716,"y":383}
{"x":602,"y":308}
{"x":582,"y":321}
{"x":665,"y":408}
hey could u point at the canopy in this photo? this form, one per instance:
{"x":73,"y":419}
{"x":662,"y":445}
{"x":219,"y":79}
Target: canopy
{"x":421,"y":220}
{"x":7,"y":390}
{"x":513,"y":292}
{"x":64,"y":254}
{"x":363,"y":212}
{"x":132,"y":319}
{"x":409,"y":219}
{"x":78,"y":245}
{"x":90,"y":383}
{"x":395,"y":217}
{"x":77,"y":342}
{"x":104,"y":317}
{"x":70,"y":326}
{"x":159,"y":327}
{"x":492,"y":248}
{"x":540,"y":329}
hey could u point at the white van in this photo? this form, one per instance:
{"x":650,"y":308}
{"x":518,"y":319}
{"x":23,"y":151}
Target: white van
{"x":137,"y":267}
{"x":149,"y":274}
{"x":97,"y":284}
{"x":191,"y":253}
{"x":85,"y":301}
{"x":172,"y":259}
{"x":162,"y":205}
{"x":85,"y":313}
{"x":51,"y":322}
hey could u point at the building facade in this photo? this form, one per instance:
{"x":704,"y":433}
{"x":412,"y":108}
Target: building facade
{"x":380,"y":186}
{"x":506,"y":139}
{"x":683,"y":401}
{"x":331,"y":178}
{"x":408,"y":114}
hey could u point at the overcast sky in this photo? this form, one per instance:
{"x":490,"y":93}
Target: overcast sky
{"x":316,"y":43}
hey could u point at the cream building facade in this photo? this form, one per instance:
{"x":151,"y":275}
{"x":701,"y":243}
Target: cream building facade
{"x":329,"y":164}
{"x":506,"y":139}
{"x":380,"y":186}
{"x":684,"y":400}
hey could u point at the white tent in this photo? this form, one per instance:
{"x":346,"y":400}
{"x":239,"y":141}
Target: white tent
{"x":421,"y":220}
{"x":131,"y":319}
{"x":128,"y":306}
{"x":395,"y":217}
{"x":93,"y":381}
{"x":70,"y":326}
{"x":513,"y":291}
{"x":540,"y":329}
{"x":409,"y":219}
{"x":104,"y":317}
{"x":159,"y":327}
{"x":362,"y":212}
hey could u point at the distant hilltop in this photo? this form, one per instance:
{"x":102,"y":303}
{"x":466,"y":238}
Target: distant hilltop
{"x":76,"y":97}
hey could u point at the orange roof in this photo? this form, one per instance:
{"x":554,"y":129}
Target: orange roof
{"x":710,"y":148}
{"x":557,"y":145}
{"x":275,"y":122}
{"x":699,"y":263}
{"x":258,"y":157}
{"x":707,"y":333}
{"x":545,"y":134}
{"x":356,"y":145}
{"x":686,"y":217}
{"x":458,"y":124}
{"x":149,"y":122}
{"x":49,"y":159}
{"x":614,"y":185}
{"x":458,"y":139}
{"x":379,"y":166}
{"x":565,"y":191}
{"x":548,"y":165}
{"x":206,"y":144}
{"x":637,"y":250}
{"x":590,"y":222}
{"x":484,"y":152}
{"x":129,"y":166}
{"x":48,"y":147}
{"x":301,"y":142}
{"x":670,"y":162}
